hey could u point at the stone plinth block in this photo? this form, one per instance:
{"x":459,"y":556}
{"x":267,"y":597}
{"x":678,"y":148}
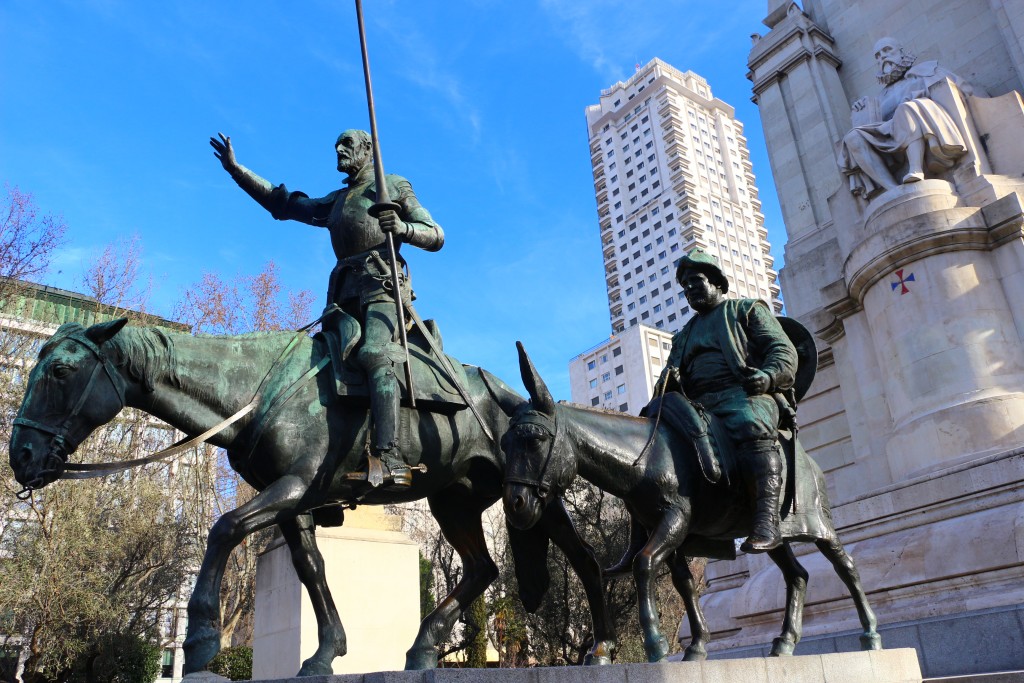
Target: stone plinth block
{"x":886,"y":666}
{"x":373,"y":574}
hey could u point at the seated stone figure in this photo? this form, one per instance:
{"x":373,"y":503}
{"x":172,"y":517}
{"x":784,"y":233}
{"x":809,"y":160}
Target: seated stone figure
{"x":902,"y":130}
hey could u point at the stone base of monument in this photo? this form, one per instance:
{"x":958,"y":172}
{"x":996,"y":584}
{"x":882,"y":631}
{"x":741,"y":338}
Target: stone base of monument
{"x":373,"y":574}
{"x":885,"y":666}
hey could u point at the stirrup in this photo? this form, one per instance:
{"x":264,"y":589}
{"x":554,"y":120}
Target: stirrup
{"x":761,"y":543}
{"x":377,"y":474}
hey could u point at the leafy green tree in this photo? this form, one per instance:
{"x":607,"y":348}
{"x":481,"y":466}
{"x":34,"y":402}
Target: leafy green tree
{"x":233,"y":662}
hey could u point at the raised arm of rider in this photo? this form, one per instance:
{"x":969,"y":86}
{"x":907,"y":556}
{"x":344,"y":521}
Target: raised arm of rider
{"x":282,"y":204}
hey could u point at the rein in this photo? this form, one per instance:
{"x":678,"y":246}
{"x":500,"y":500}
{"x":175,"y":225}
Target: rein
{"x":61,"y":447}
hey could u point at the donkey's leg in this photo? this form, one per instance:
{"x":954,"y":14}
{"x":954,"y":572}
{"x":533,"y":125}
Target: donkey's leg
{"x":664,"y":539}
{"x":683,"y":580}
{"x":458,"y":514}
{"x":300,"y":534}
{"x":847,"y":571}
{"x":272,"y":505}
{"x":560,"y":528}
{"x":796,"y":589}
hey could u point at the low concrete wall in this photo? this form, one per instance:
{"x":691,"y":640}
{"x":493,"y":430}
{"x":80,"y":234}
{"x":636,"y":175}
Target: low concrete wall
{"x":886,"y":666}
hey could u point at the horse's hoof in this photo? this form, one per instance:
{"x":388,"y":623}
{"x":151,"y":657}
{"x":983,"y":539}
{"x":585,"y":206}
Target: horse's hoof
{"x":782,"y":648}
{"x":871,"y":641}
{"x":315,"y":668}
{"x":695,"y":653}
{"x":418,"y":659}
{"x":201,"y":646}
{"x":601,"y":654}
{"x":656,"y":648}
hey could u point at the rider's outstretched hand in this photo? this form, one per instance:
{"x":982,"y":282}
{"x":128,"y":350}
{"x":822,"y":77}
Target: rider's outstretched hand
{"x":223,"y":150}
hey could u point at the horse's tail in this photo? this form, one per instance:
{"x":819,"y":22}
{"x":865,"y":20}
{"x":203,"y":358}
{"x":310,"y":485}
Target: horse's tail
{"x":530,"y":558}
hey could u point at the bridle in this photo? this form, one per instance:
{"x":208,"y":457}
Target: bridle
{"x":547,"y":424}
{"x":61,"y":444}
{"x":56,"y":463}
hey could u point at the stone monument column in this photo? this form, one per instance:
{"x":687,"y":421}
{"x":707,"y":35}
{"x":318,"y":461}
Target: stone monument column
{"x":898,"y":165}
{"x":929,"y":287}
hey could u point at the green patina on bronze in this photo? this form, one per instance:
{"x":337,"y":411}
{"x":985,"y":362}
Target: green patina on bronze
{"x":298,"y":455}
{"x":361,"y":322}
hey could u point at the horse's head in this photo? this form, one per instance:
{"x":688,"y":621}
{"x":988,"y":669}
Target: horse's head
{"x":538,"y":465}
{"x":73,"y":389}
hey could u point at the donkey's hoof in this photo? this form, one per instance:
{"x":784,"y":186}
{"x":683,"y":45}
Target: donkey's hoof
{"x":695,"y":653}
{"x":871,"y":641}
{"x":782,"y":647}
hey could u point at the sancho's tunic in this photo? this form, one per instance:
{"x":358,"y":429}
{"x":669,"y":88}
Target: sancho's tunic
{"x":361,"y":276}
{"x":717,"y":351}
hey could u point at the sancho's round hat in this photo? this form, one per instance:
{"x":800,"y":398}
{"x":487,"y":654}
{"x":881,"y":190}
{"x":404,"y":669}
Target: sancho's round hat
{"x":702,"y":261}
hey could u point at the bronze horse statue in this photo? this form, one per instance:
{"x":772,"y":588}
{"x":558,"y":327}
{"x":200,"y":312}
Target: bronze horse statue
{"x":296,"y":449}
{"x":678,"y":511}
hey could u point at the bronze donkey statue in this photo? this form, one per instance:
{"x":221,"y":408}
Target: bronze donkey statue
{"x":682,"y":513}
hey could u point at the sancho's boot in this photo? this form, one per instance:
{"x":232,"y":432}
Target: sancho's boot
{"x":763,"y":462}
{"x":384,"y":403}
{"x":707,"y":458}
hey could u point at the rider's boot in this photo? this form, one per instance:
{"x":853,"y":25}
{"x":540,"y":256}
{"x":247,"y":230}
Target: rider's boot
{"x":763,"y":461}
{"x":385,"y":396}
{"x":707,"y":458}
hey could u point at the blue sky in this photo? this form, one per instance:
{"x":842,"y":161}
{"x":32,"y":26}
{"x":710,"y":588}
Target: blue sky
{"x":107,"y":107}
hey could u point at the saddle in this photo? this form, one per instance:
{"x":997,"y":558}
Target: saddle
{"x":434,"y":386}
{"x":804,"y":499}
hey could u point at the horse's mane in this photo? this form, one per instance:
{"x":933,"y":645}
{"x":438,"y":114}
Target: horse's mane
{"x":148,"y":354}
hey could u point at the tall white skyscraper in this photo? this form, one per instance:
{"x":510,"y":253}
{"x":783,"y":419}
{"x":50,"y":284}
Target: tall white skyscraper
{"x":671,"y":172}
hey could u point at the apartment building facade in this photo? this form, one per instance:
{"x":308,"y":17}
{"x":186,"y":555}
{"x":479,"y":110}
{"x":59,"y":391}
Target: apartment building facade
{"x":671,"y":172}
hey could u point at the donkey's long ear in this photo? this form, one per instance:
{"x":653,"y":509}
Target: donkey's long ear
{"x":539,"y":394}
{"x":103,"y":332}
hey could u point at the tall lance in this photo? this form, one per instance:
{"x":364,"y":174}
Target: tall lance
{"x":384,"y":203}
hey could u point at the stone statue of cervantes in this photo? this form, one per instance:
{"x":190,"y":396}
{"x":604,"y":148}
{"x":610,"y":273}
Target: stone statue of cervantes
{"x":901,"y":134}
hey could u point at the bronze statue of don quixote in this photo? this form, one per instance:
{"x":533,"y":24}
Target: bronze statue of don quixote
{"x":371,"y":411}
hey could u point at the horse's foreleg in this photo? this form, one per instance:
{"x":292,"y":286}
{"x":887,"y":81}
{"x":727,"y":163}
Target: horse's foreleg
{"x":796,"y":589}
{"x":458,"y":515}
{"x":270,"y":506}
{"x":581,"y":556}
{"x":664,"y":539}
{"x":300,"y":534}
{"x":683,"y":580}
{"x":847,"y":571}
